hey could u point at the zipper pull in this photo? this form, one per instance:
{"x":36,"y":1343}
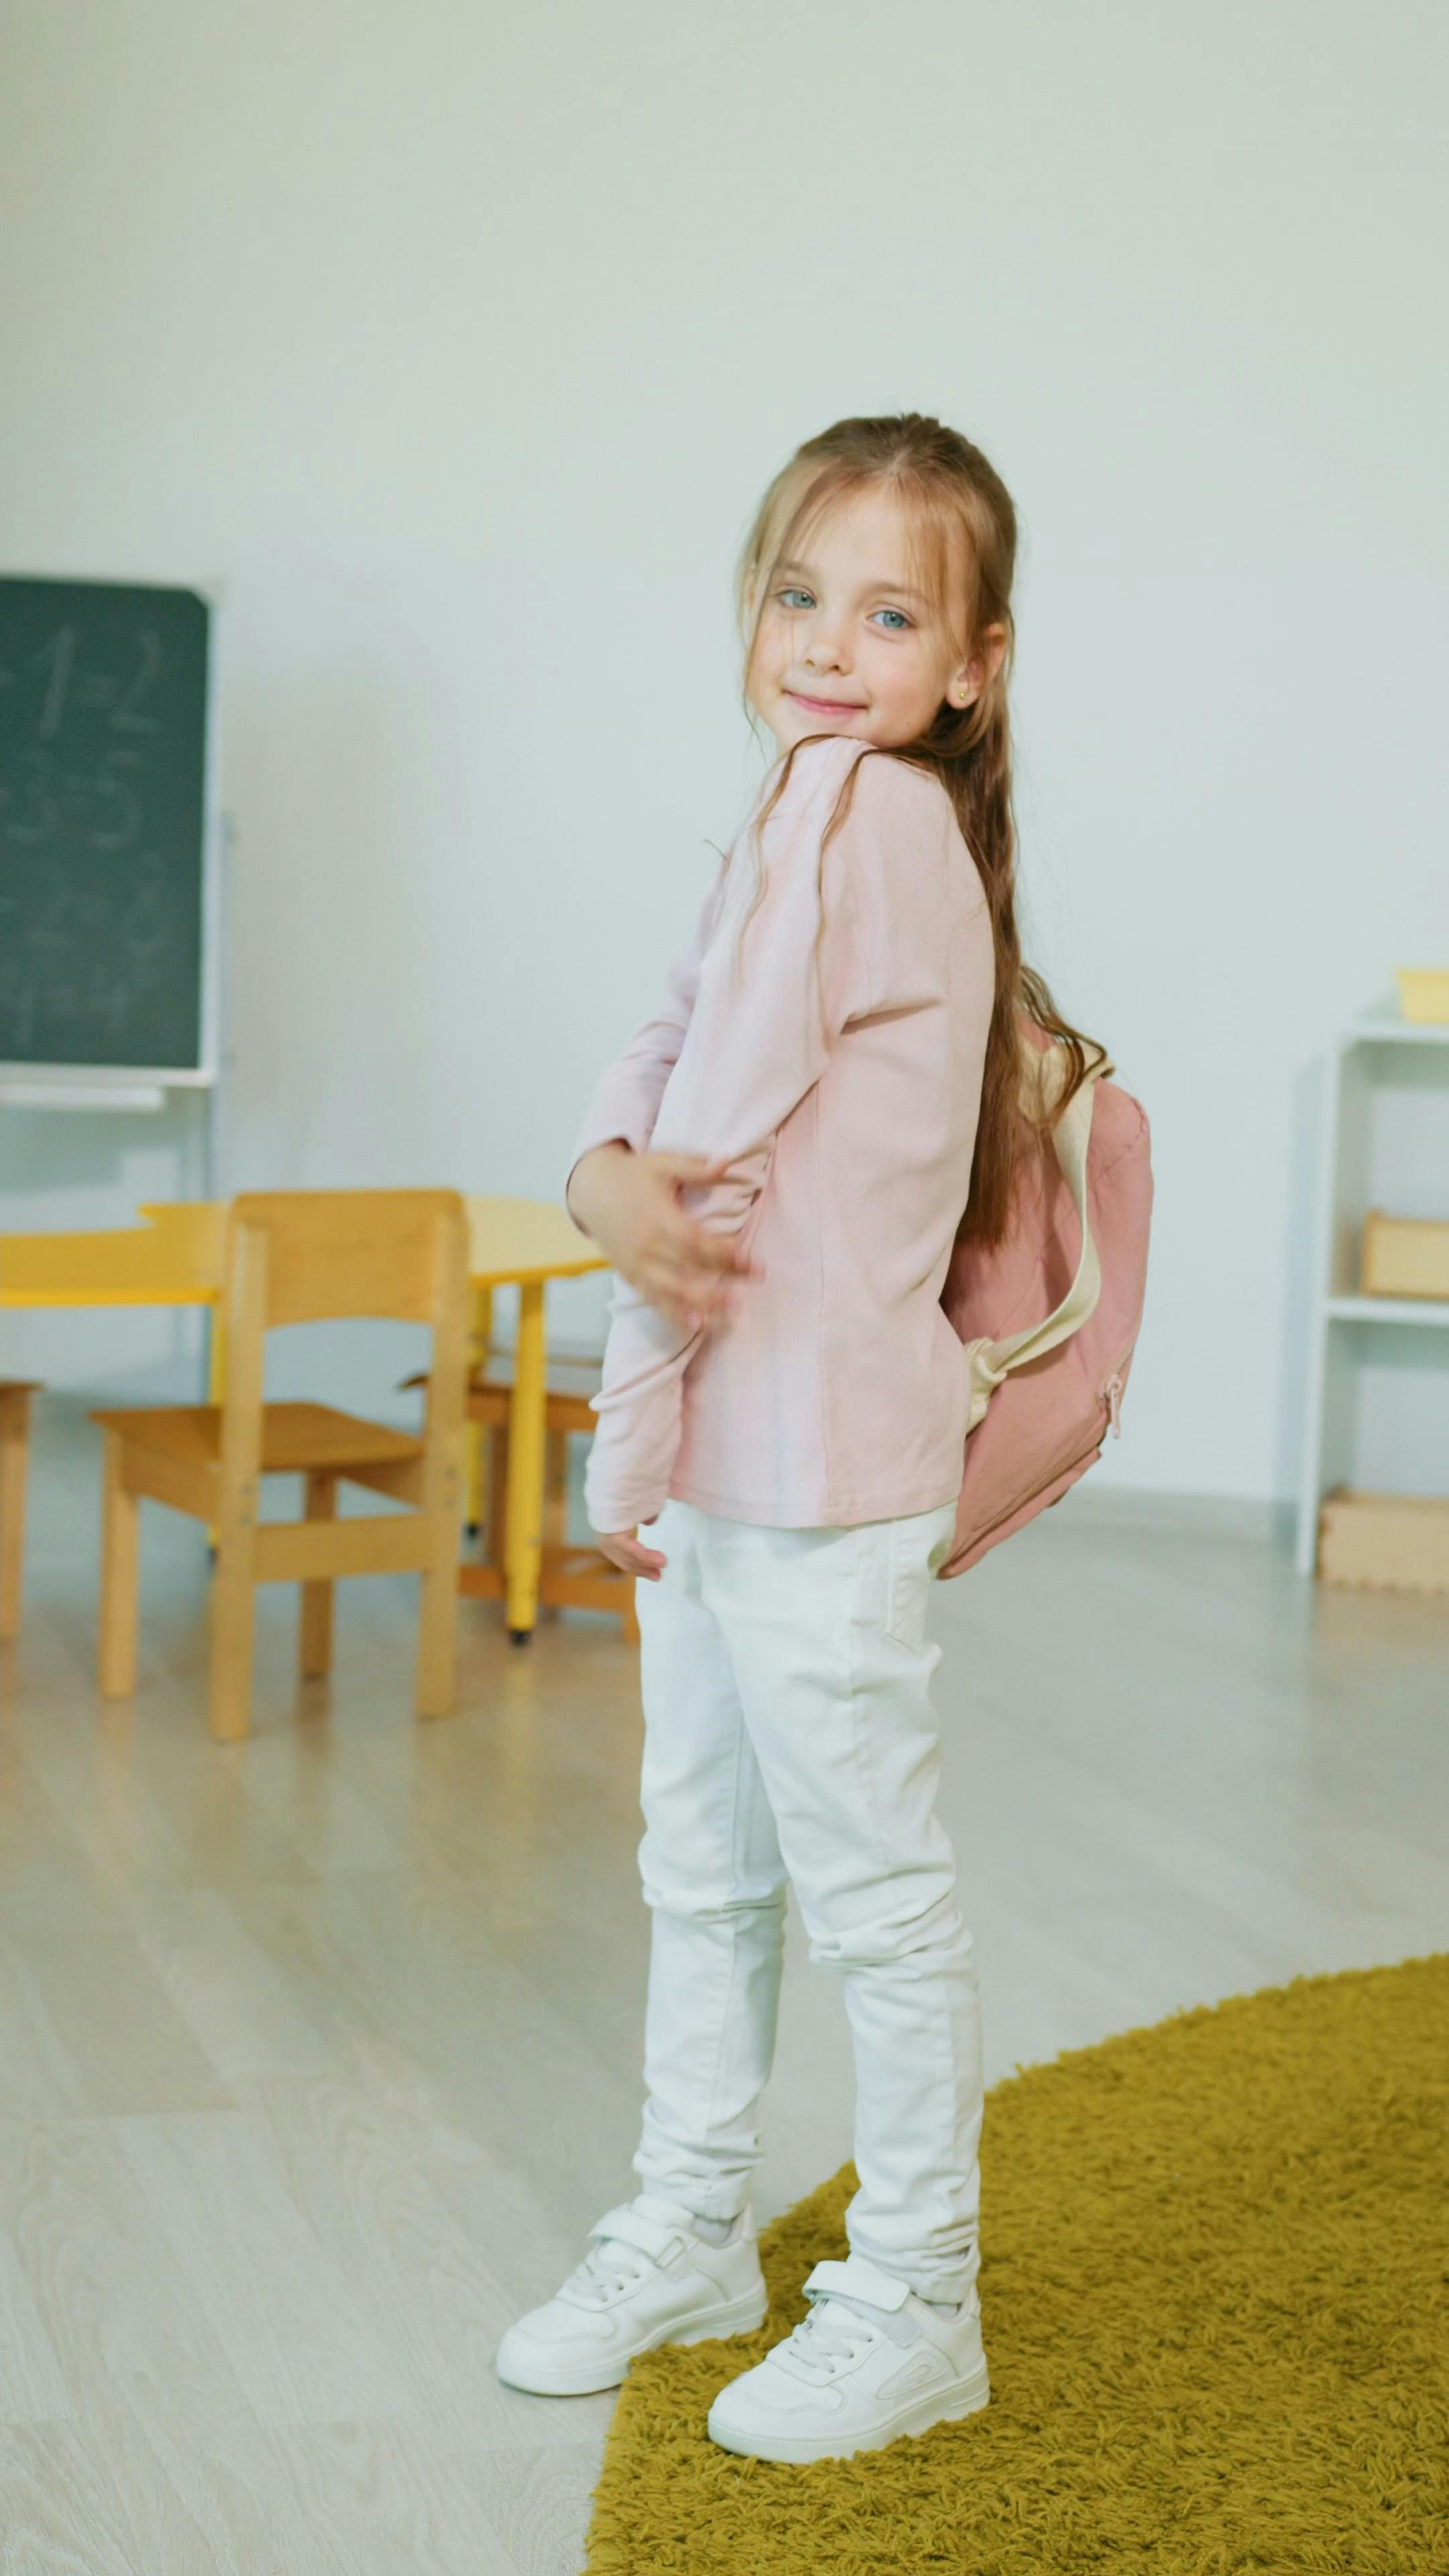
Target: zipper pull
{"x":1113,"y":1393}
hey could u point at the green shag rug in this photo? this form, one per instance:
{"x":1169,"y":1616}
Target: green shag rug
{"x":1215,"y":2292}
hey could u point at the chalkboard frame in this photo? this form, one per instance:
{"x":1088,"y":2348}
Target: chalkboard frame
{"x":29,"y":1079}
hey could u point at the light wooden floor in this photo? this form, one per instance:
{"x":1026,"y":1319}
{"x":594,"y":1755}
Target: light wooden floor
{"x":318,"y":2054}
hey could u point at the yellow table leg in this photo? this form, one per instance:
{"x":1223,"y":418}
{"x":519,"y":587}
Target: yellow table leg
{"x":526,"y":1415}
{"x":474,"y":1462}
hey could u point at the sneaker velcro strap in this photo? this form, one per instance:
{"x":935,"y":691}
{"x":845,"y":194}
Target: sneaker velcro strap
{"x":857,"y":2279}
{"x":631,"y":2227}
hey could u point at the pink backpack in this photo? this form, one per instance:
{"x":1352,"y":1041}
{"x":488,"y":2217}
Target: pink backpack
{"x":1050,"y":1318}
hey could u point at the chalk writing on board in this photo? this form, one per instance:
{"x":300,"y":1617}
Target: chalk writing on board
{"x":103,"y":706}
{"x":41,"y":795}
{"x":121,"y":695}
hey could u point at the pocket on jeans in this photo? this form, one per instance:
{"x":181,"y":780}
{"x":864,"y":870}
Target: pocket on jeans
{"x":905,"y":1589}
{"x":918,"y":1545}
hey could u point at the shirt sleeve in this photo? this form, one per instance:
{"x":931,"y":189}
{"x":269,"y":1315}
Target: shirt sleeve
{"x":777,"y":982}
{"x":625,"y":1099}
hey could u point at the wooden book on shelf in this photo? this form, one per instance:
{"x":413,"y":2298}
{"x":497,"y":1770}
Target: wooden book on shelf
{"x":1389,"y":1542}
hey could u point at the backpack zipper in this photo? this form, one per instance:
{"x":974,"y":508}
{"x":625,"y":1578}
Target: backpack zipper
{"x":1111,"y":1394}
{"x":1114,"y":1388}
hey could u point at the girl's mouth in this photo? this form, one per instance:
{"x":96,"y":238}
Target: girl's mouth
{"x":826,"y":706}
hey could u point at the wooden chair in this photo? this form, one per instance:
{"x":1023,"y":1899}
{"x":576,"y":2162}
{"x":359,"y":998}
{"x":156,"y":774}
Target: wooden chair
{"x":580,"y":1578}
{"x":296,"y":1257}
{"x":15,"y":1395}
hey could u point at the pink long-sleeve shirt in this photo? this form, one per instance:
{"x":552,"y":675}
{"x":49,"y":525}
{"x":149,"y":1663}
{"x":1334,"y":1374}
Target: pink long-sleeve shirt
{"x":829,"y":1047}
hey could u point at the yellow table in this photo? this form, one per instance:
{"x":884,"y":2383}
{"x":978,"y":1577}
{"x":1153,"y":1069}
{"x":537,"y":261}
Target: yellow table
{"x":176,"y":1258}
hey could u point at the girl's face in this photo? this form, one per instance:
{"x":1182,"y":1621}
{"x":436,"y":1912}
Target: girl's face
{"x":848,"y":644}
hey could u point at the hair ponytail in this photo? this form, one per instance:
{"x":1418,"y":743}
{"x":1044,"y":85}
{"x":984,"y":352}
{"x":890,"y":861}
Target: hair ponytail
{"x":949,"y":489}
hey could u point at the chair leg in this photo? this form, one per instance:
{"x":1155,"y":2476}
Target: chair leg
{"x":630,"y":1618}
{"x":233,"y":1624}
{"x":14,"y":1468}
{"x":215,"y":1383}
{"x":314,"y":1640}
{"x":120,"y":1576}
{"x":556,"y":1488}
{"x":555,"y":1497}
{"x":437,"y":1668}
{"x":475,"y":1436}
{"x":496,"y":1522}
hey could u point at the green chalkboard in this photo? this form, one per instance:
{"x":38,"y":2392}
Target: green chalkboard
{"x":103,"y":816}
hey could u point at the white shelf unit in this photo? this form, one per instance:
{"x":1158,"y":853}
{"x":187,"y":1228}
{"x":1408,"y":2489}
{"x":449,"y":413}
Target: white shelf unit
{"x":1368,"y":1060}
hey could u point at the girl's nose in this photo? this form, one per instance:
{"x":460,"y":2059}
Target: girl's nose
{"x":823,"y":651}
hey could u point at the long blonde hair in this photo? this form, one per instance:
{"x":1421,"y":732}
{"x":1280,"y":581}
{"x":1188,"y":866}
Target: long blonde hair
{"x":948,"y":490}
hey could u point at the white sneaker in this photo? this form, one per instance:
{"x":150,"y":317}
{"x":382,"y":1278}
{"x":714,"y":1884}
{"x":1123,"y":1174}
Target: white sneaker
{"x":871,"y":2361}
{"x":649,"y":2279}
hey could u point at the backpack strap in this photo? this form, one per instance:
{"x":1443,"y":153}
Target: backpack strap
{"x":989,"y":1362}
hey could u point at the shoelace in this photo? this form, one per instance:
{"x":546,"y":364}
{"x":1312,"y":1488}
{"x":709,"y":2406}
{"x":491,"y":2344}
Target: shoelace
{"x":607,"y":2270}
{"x":829,"y":2338}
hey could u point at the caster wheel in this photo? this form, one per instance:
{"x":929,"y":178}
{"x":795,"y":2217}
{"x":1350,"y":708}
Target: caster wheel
{"x":519,"y":1636}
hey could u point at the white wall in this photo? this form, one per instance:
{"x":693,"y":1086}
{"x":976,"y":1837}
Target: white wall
{"x":460,"y":342}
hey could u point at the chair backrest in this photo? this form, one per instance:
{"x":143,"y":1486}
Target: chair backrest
{"x":337,"y":1253}
{"x":315,"y":1256}
{"x":318,"y":1256}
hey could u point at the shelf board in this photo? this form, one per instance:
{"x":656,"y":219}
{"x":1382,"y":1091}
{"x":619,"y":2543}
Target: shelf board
{"x":1389,"y":1310}
{"x":1387,"y":1026}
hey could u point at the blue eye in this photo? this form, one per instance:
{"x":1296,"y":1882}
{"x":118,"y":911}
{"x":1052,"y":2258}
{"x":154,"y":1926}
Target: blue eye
{"x":896,"y":613}
{"x":792,"y":592}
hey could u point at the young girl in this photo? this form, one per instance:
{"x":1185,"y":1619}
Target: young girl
{"x":777,"y":1166}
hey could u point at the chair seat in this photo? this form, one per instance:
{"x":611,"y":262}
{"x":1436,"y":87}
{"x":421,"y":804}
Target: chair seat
{"x":492,"y":1406}
{"x":296,"y":1438}
{"x":569,"y":1373}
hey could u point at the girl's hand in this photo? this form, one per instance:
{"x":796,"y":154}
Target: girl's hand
{"x":629,"y":1204}
{"x":628,"y":1552}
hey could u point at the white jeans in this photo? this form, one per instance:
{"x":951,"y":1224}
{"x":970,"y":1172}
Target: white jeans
{"x":789,"y":1732}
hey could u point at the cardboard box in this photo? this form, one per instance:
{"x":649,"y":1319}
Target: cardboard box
{"x":1404,"y":1256}
{"x":1391,"y":1542}
{"x":1424,"y":993}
